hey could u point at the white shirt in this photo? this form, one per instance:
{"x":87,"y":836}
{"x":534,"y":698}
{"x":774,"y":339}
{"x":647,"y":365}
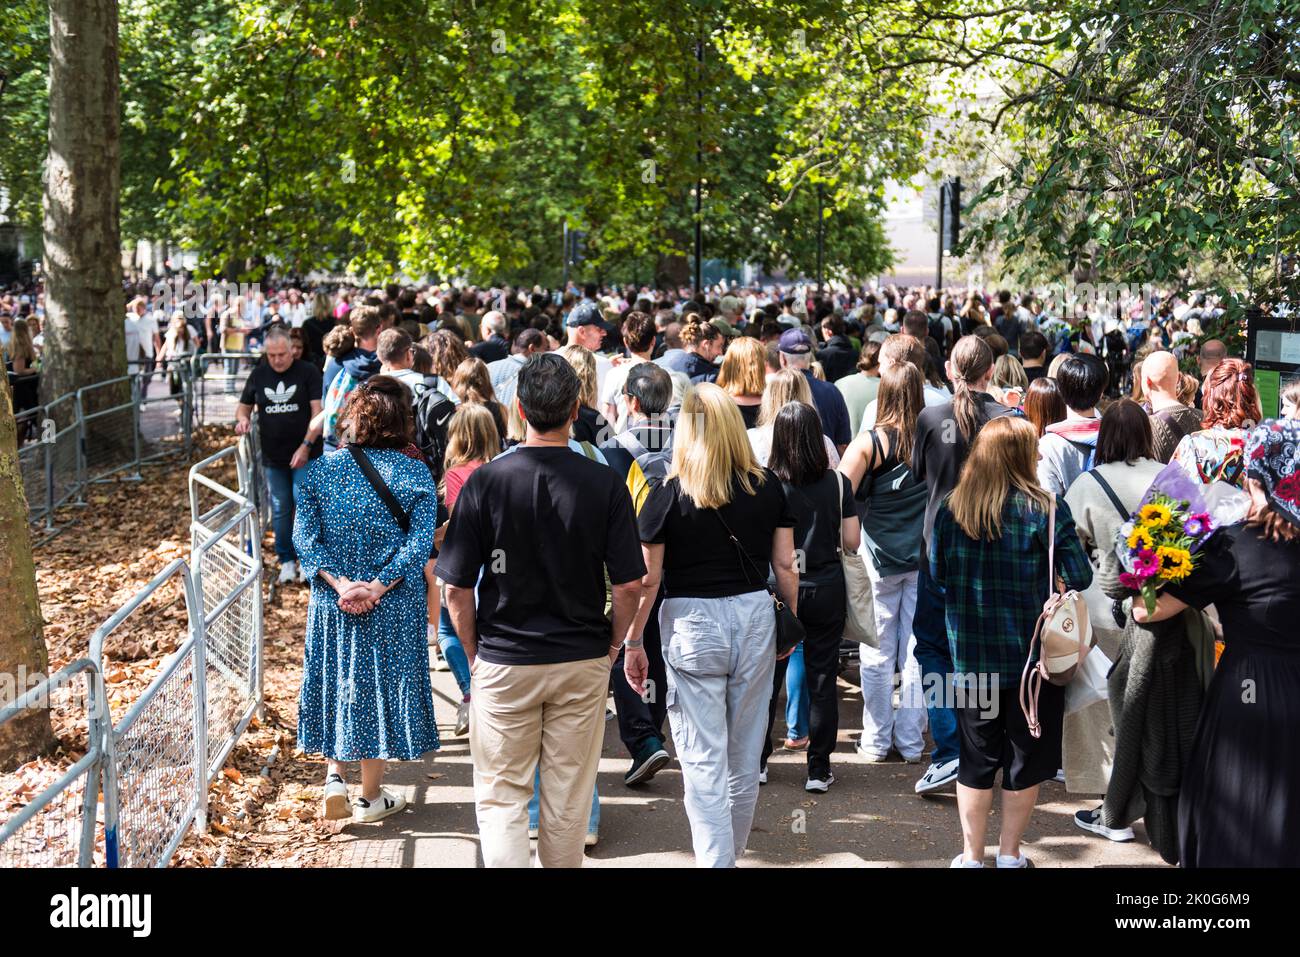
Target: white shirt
{"x":146,"y":327}
{"x":295,"y":316}
{"x":932,"y":394}
{"x":132,"y":339}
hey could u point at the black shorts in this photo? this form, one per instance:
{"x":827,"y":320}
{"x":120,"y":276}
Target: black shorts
{"x":1003,"y":741}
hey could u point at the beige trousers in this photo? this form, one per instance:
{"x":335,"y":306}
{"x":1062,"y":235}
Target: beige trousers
{"x":523,"y":716}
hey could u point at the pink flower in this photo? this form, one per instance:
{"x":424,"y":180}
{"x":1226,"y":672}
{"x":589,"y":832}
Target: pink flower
{"x":1129,"y":580}
{"x":1147,"y":564}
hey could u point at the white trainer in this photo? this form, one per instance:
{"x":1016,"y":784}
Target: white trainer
{"x":367,"y":812}
{"x":336,"y":806}
{"x":937,"y":776}
{"x":288,"y":573}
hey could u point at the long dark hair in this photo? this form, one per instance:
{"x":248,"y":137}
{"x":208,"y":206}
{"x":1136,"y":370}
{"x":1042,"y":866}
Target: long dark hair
{"x":798,"y":452}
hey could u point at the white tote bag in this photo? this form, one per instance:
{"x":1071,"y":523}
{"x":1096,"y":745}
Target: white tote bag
{"x":1089,"y":684}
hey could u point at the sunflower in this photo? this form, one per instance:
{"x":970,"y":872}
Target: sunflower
{"x":1155,"y":515}
{"x":1140,"y":538}
{"x":1175,"y":563}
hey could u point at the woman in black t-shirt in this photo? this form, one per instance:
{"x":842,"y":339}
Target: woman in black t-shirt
{"x":825,"y":517}
{"x":712,"y":532}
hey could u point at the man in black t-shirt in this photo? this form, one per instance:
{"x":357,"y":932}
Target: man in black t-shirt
{"x":536,"y":531}
{"x":287,"y":395}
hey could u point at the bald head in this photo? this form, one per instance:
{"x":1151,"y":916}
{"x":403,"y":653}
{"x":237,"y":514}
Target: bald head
{"x":1213,"y":351}
{"x":1160,"y":375}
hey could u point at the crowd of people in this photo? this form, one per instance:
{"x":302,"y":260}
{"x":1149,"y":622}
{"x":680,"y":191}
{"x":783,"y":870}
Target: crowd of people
{"x":662,"y":496}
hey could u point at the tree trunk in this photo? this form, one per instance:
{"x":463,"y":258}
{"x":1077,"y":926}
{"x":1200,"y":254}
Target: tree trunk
{"x":22,"y":638}
{"x":84,"y":337}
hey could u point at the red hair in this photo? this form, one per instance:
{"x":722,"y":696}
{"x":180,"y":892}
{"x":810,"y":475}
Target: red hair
{"x":1228,"y":398}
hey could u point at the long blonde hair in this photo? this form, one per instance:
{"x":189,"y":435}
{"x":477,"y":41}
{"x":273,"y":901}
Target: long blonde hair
{"x":744,"y":366}
{"x":584,"y":363}
{"x":1003,"y":460}
{"x":471,"y":437}
{"x":784,"y":387}
{"x":710,"y":448}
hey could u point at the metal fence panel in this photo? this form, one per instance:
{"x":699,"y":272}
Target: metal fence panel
{"x":164,"y":419}
{"x":218,"y":380}
{"x":154,"y":781}
{"x":33,"y":462}
{"x":110,"y":435}
{"x":158,"y":782}
{"x":57,"y":827}
{"x":64,"y":448}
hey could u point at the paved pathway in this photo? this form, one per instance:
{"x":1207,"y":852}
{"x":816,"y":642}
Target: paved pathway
{"x":871,"y":817}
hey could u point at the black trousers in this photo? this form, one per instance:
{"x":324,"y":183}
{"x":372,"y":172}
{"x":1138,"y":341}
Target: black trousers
{"x":822,"y":612}
{"x":639,"y":720}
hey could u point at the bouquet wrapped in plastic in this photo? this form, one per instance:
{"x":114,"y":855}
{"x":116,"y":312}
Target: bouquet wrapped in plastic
{"x":1159,"y":542}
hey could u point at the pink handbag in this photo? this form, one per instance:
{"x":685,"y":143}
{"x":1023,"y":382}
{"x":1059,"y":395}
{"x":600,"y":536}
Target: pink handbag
{"x":1062,"y":636}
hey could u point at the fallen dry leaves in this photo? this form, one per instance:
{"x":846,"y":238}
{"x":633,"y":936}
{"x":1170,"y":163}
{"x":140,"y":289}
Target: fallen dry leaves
{"x":262,"y":808}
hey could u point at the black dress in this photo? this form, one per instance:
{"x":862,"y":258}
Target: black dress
{"x":1241,"y":792}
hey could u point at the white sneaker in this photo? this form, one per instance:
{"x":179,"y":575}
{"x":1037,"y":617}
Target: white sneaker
{"x":937,"y":776}
{"x":288,"y":573}
{"x":762,"y":775}
{"x":462,"y":719}
{"x":534,"y":833}
{"x":592,"y":838}
{"x":302,"y":576}
{"x":435,"y":651}
{"x":367,"y":812}
{"x":1091,"y":821}
{"x":819,"y":785}
{"x":1060,"y":776}
{"x":1014,"y":862}
{"x":960,"y":861}
{"x":336,"y":806}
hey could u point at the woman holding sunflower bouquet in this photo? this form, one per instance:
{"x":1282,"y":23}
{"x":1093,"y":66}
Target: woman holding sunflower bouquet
{"x":1241,"y":788}
{"x":1163,"y":664}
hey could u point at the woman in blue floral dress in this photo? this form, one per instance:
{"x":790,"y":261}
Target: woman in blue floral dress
{"x":365,"y":687}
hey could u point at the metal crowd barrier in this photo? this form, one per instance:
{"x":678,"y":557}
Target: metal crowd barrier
{"x":155,"y":764}
{"x":108,"y":430}
{"x":57,"y":827}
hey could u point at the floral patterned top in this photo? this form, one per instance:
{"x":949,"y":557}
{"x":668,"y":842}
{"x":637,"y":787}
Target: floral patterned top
{"x":1214,"y":455}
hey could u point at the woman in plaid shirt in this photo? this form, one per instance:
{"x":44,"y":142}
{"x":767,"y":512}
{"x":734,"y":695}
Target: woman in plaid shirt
{"x":989,"y":554}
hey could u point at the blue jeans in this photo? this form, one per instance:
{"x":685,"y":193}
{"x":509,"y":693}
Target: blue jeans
{"x":796,"y":696}
{"x":534,"y":803}
{"x":283,"y":484}
{"x":453,"y":651}
{"x":934,"y":657}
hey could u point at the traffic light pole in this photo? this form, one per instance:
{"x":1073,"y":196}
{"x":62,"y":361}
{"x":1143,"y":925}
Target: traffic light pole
{"x":943,"y":214}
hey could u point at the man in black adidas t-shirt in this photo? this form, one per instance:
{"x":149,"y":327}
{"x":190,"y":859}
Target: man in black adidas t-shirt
{"x":287,"y":394}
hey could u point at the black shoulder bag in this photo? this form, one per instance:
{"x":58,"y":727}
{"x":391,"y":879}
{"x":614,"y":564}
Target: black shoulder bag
{"x":381,"y":488}
{"x":789,"y":629}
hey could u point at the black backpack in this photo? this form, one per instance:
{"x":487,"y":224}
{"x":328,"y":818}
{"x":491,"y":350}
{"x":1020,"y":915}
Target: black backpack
{"x":433,"y":412}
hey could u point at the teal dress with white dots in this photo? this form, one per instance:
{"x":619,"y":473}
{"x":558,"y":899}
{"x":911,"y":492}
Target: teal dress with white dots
{"x":365,"y":680}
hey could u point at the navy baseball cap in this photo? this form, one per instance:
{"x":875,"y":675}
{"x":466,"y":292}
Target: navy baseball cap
{"x":795,"y":342}
{"x":585,"y":313}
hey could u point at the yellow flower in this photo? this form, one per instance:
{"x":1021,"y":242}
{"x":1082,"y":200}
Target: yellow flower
{"x":1140,"y":537}
{"x":1175,"y":563}
{"x":1155,"y":515}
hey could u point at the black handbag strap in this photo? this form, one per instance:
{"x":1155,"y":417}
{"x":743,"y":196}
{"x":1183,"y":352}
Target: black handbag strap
{"x":1110,"y":493}
{"x":745,"y":558}
{"x":381,"y":488}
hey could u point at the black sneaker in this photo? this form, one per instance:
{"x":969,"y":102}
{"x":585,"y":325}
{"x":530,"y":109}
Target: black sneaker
{"x":1091,"y":821}
{"x":647,"y":763}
